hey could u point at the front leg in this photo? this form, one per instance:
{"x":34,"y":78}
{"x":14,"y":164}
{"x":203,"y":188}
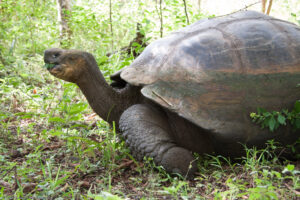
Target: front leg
{"x":147,"y":133}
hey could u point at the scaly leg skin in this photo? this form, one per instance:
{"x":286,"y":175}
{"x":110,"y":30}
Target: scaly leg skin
{"x":147,"y":133}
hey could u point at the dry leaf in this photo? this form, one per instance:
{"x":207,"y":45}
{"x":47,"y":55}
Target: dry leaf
{"x":28,"y":187}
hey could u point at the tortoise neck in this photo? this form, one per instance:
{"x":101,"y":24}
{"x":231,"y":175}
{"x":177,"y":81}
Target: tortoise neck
{"x":103,"y":99}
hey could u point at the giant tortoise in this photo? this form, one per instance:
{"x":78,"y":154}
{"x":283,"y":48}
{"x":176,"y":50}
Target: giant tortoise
{"x":193,"y":90}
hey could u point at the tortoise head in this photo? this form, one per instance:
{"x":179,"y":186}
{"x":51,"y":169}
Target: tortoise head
{"x":68,"y":65}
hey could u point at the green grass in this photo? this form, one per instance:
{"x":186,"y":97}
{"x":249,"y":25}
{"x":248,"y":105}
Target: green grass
{"x":52,"y":146}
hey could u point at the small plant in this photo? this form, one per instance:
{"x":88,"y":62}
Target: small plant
{"x":176,"y":188}
{"x":104,"y":196}
{"x":274,"y":119}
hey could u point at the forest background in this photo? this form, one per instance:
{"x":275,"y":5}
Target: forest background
{"x":52,"y":145}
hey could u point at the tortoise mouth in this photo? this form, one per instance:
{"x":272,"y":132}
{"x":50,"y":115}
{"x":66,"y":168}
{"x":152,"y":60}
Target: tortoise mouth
{"x":50,"y":66}
{"x":54,"y":68}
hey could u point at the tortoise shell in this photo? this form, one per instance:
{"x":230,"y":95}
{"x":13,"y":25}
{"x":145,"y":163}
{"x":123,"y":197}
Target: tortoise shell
{"x":217,"y":71}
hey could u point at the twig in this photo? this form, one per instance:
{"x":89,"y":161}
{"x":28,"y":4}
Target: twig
{"x":186,"y":14}
{"x":17,"y":182}
{"x":289,"y":187}
{"x":123,"y":165}
{"x":3,"y":175}
{"x":245,"y":8}
{"x":161,"y":98}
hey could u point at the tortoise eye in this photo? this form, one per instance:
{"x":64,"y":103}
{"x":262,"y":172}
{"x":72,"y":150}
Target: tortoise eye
{"x":55,"y":55}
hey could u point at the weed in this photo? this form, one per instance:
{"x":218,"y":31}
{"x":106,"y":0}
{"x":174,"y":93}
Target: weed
{"x":273,"y":120}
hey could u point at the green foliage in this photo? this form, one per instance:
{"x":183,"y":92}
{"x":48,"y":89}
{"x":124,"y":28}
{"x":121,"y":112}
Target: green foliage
{"x":23,"y":31}
{"x":274,"y":119}
{"x":177,"y":187}
{"x":260,"y":172}
{"x":296,"y":17}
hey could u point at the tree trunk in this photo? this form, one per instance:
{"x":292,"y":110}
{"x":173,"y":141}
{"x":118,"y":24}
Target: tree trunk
{"x":263,"y":6}
{"x":64,"y":13}
{"x":161,"y":18}
{"x":111,"y":25}
{"x":199,"y":6}
{"x":0,"y":6}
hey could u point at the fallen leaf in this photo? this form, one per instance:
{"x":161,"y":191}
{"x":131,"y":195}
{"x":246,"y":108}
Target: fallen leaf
{"x":124,"y":165}
{"x":4,"y":184}
{"x":99,"y":181}
{"x":63,"y":189}
{"x":84,"y":184}
{"x":52,"y":147}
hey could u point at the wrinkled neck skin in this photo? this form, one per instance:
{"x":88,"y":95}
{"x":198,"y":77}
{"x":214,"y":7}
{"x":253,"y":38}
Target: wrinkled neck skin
{"x":109,"y":103}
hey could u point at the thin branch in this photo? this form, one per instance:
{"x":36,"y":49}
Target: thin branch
{"x":269,"y":7}
{"x":289,"y":187}
{"x":17,"y":181}
{"x":111,"y":26}
{"x":186,"y":14}
{"x":245,"y":8}
{"x":199,"y":6}
{"x":159,"y":13}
